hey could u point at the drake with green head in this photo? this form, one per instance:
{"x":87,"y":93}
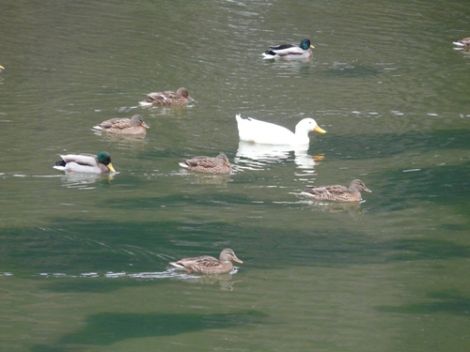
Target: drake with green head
{"x":86,"y":163}
{"x":290,"y":51}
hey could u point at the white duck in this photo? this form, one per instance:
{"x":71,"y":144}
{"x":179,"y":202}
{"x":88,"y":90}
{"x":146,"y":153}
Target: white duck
{"x":256,"y":131}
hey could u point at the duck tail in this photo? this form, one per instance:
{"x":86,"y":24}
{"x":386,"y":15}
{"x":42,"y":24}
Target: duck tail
{"x":145,"y":104}
{"x":238,"y":117}
{"x":458,"y":43}
{"x":177,"y":265}
{"x":59,"y":165}
{"x":269,"y":55}
{"x":184,"y":166}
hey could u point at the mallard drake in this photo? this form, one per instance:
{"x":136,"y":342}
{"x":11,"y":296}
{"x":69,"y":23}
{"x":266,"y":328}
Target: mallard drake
{"x":209,"y":165}
{"x":167,"y":98}
{"x":256,"y":131}
{"x":128,"y":126}
{"x":209,"y":265}
{"x":290,"y":51}
{"x":462,"y":44}
{"x":86,"y":163}
{"x":337,"y":192}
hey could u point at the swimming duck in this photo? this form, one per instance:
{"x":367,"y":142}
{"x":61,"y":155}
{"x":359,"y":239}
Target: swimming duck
{"x":167,"y":98}
{"x":290,"y":51}
{"x":209,"y":165}
{"x":209,"y":265}
{"x":86,"y":163}
{"x":337,"y":192}
{"x":128,"y":126}
{"x":256,"y":131}
{"x":462,"y":44}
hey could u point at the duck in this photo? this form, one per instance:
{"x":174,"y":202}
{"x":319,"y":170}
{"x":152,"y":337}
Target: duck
{"x":167,"y":98}
{"x":290,"y":51}
{"x":208,"y":265}
{"x":462,"y":44}
{"x":86,"y":163}
{"x":337,"y":193}
{"x":261,"y":132}
{"x":135,"y":126}
{"x":209,"y":165}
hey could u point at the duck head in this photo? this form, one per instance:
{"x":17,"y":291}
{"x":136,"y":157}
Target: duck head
{"x":358,"y":185}
{"x":228,"y":255}
{"x":105,"y":159}
{"x":309,"y":124}
{"x":136,"y":120}
{"x":305,"y":44}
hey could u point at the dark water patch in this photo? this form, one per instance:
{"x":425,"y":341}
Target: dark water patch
{"x":132,"y":247}
{"x":108,"y":328}
{"x":95,"y":285}
{"x":74,"y":246}
{"x":390,"y":144}
{"x":441,"y":302}
{"x":179,"y":200}
{"x":426,"y":249}
{"x":446,"y":184}
{"x":337,"y":250}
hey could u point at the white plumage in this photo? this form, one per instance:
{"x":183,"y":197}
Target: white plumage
{"x":256,"y":131}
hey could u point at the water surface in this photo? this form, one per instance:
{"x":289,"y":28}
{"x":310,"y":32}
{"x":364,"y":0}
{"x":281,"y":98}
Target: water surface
{"x":83,"y":262}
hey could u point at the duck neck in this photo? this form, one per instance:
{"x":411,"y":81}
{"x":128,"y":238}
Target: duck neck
{"x":301,"y":136}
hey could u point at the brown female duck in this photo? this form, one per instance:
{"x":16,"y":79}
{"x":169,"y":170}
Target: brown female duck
{"x":337,"y":193}
{"x":209,"y":165}
{"x":208,"y":265}
{"x":167,"y":98}
{"x":134,"y":126}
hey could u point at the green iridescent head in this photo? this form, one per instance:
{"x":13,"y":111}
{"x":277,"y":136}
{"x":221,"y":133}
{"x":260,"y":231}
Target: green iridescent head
{"x":105,"y":159}
{"x":305,"y":44}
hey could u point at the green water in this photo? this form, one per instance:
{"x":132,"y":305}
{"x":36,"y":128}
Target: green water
{"x":83,"y":261}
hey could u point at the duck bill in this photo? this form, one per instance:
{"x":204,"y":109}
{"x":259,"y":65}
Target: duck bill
{"x":312,"y":46}
{"x":144,"y":125}
{"x":1,"y":68}
{"x":367,"y":190}
{"x":237,"y":260}
{"x":111,"y":168}
{"x":320,"y":130}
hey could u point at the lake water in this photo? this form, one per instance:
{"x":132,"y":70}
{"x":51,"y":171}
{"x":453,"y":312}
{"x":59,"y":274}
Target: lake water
{"x":83,"y":261}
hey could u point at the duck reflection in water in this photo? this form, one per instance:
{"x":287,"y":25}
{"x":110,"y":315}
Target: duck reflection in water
{"x":255,"y":156}
{"x":84,"y":180}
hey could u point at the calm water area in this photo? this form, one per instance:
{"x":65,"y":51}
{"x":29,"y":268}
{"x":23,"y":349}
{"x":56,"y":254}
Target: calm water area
{"x":83,"y":260}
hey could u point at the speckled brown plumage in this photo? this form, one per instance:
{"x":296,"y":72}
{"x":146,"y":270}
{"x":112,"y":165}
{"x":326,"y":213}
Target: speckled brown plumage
{"x":128,"y":126}
{"x":167,"y":98}
{"x":209,"y":165}
{"x":209,"y":265}
{"x":337,"y":192}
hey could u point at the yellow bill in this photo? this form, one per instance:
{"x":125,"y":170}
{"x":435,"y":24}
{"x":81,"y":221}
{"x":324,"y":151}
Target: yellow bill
{"x":320,"y":130}
{"x":111,"y":168}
